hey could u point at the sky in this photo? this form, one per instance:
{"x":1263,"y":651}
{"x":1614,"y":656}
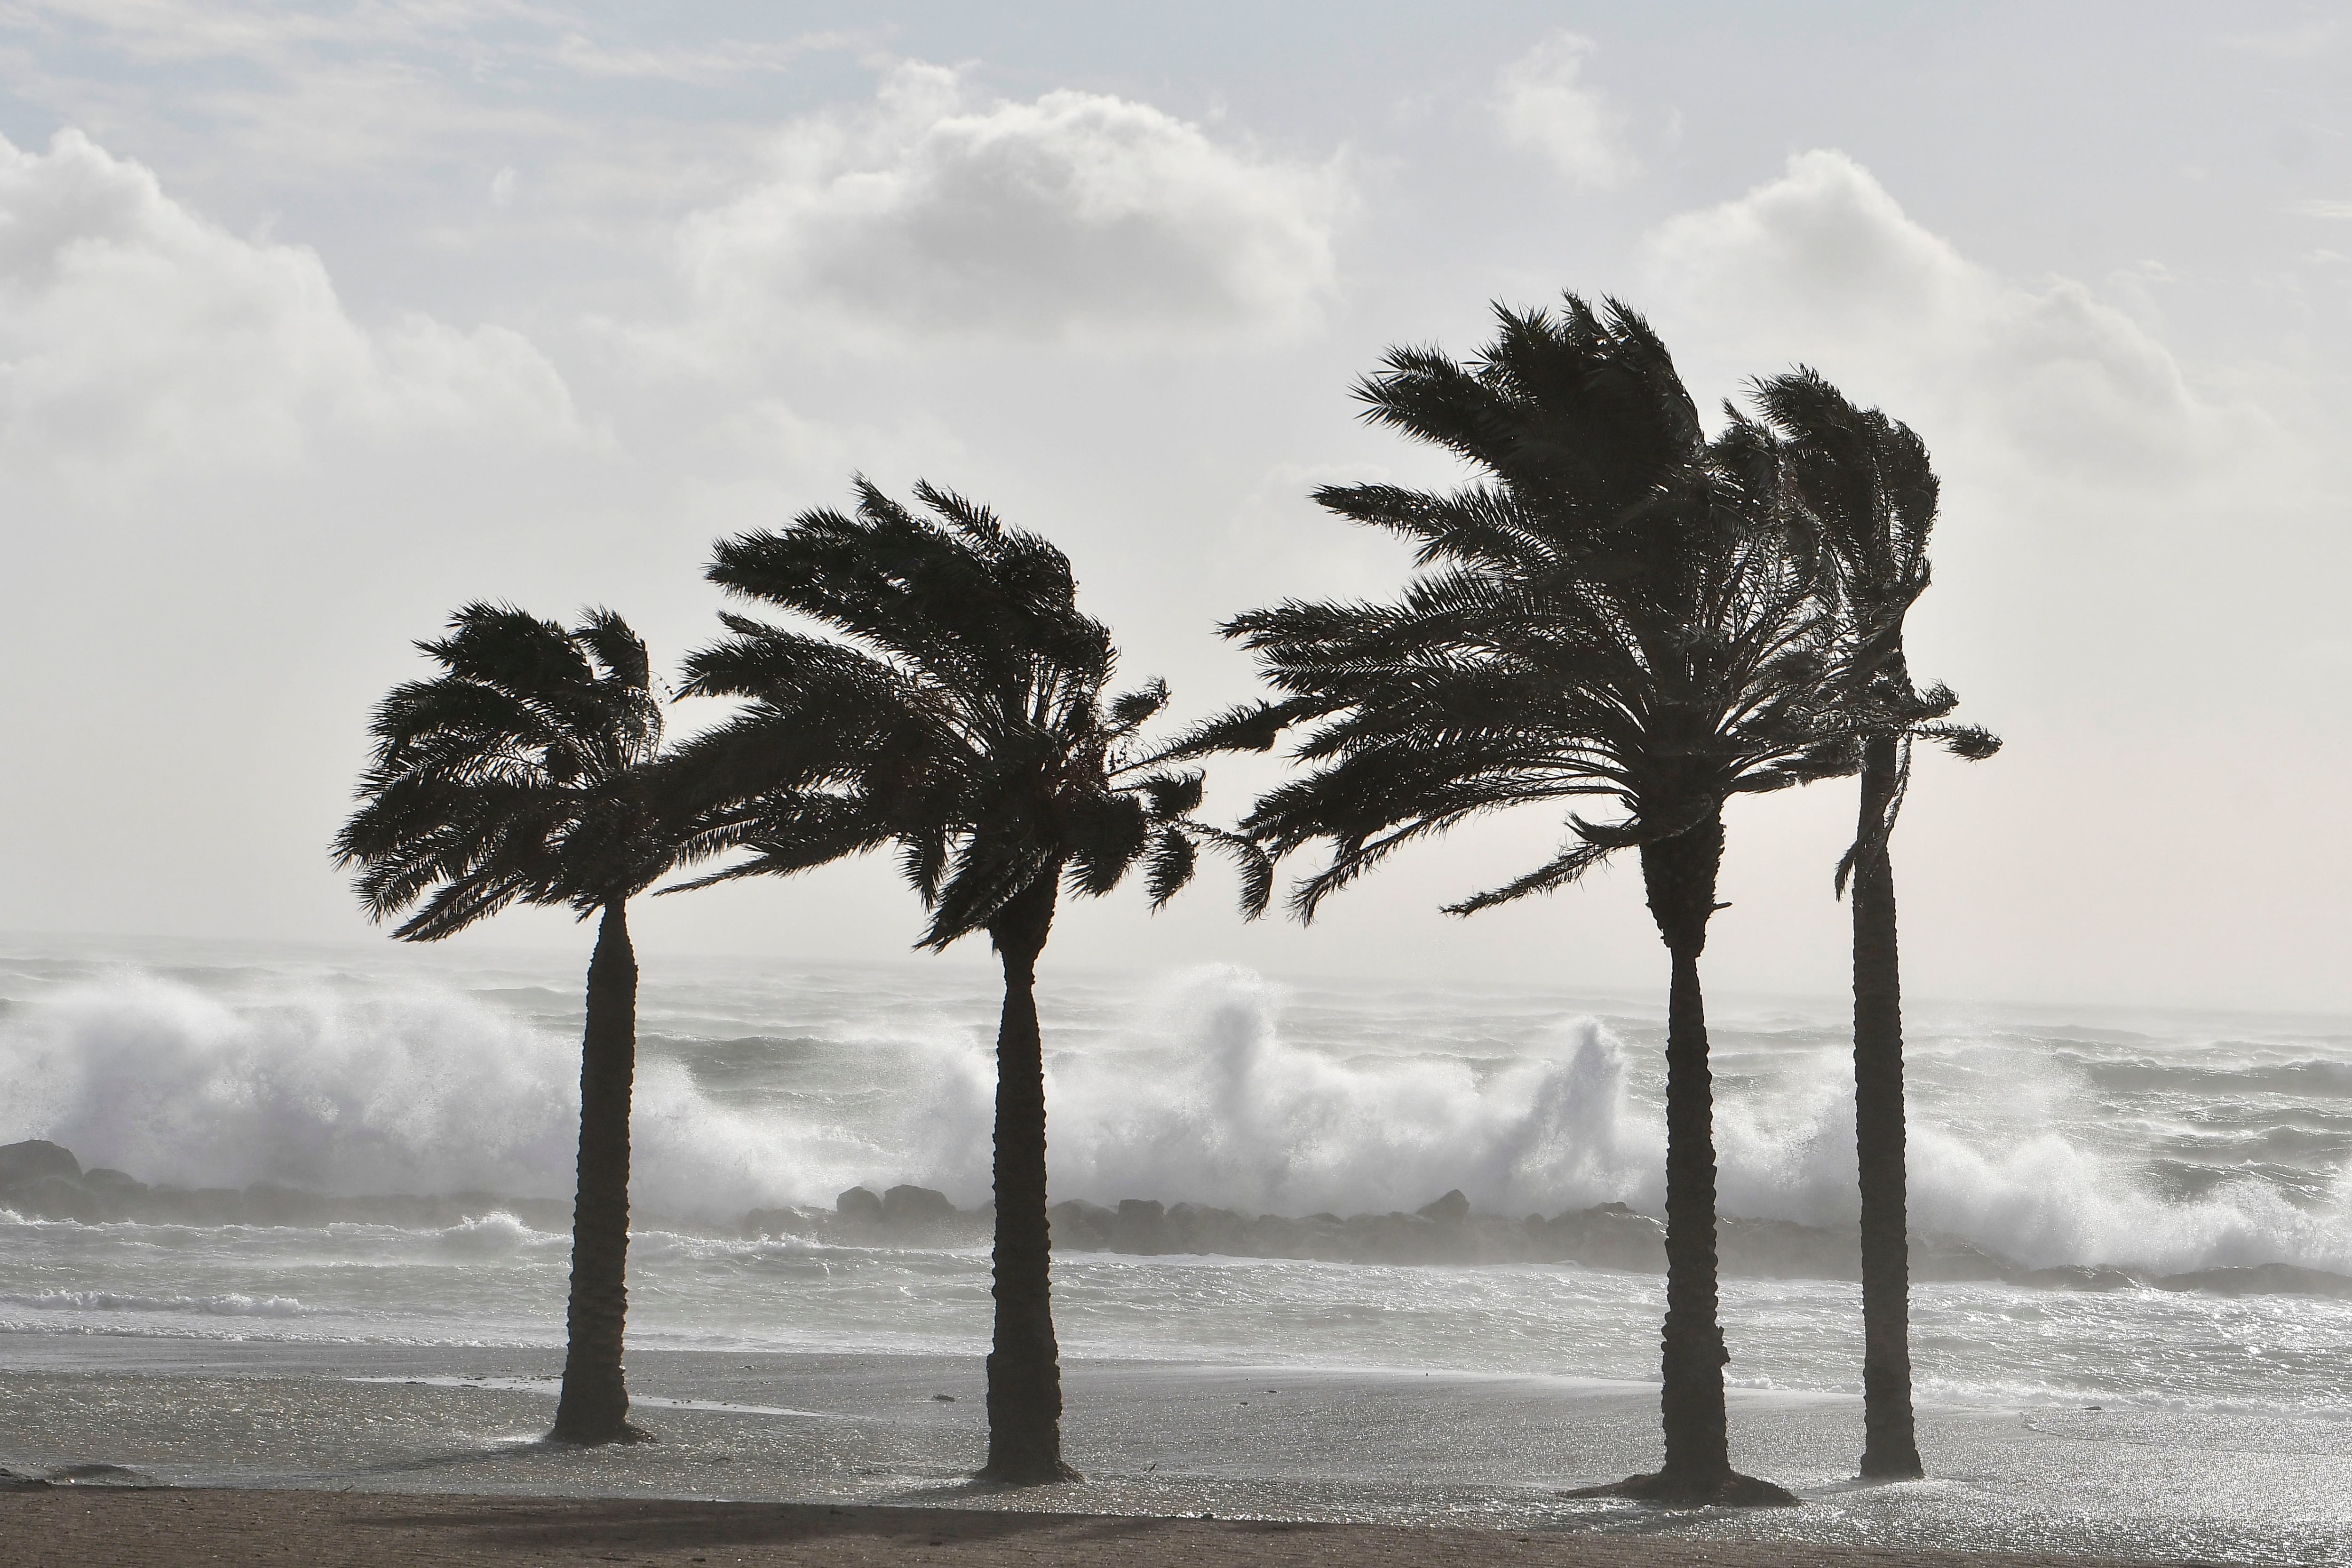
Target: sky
{"x":316,"y":321}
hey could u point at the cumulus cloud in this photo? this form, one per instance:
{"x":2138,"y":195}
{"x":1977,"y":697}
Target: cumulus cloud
{"x":133,"y":329}
{"x":1075,"y":216}
{"x":1543,"y":106}
{"x":1823,"y":264}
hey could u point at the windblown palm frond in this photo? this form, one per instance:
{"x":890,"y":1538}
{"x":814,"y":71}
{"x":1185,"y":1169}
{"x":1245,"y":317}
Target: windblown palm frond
{"x":956,"y":702}
{"x":1612,"y":607}
{"x":515,"y":775}
{"x":1862,"y":485}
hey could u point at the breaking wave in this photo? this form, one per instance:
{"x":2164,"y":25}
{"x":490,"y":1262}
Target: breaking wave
{"x":1191,"y":1091}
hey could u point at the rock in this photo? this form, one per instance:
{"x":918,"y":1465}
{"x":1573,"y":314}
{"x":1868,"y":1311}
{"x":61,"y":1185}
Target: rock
{"x":915,"y":1205}
{"x":35,"y":1160}
{"x":2259,"y":1280}
{"x":1452,"y":1208}
{"x":1947,"y":1257}
{"x":107,"y":1183}
{"x":55,"y":1197}
{"x":1607,"y":1236}
{"x":1140,"y":1226}
{"x":1782,"y":1249}
{"x":1210,"y":1232}
{"x":1403,"y":1238}
{"x":1080,"y":1226}
{"x":859,"y":1205}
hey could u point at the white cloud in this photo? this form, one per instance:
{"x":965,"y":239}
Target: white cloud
{"x":2318,"y":207}
{"x":132,"y":331}
{"x":1544,"y":107}
{"x":1072,"y":217}
{"x":1823,"y":264}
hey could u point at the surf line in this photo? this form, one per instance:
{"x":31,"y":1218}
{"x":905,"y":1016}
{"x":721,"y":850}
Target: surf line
{"x":549,"y":1387}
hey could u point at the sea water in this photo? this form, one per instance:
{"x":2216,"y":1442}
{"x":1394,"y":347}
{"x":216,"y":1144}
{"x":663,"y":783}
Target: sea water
{"x":2157,"y":1144}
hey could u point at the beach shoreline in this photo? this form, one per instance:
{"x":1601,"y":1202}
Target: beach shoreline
{"x":1420,"y":1452}
{"x":106,"y":1527}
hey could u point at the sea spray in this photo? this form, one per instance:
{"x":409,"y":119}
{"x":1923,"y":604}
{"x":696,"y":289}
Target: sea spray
{"x":416,"y":1091}
{"x":1212,"y":1086}
{"x":1200,"y":1096}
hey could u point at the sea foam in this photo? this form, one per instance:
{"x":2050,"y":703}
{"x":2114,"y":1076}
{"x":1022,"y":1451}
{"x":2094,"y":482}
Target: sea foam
{"x":1189,"y":1088}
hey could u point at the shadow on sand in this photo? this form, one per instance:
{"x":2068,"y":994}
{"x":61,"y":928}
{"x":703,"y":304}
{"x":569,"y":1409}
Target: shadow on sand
{"x":621,"y":1524}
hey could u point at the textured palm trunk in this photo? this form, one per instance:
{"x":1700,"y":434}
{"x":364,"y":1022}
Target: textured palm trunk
{"x":594,"y":1406}
{"x":1890,"y":1447}
{"x":1024,"y":1366}
{"x":1679,"y":874}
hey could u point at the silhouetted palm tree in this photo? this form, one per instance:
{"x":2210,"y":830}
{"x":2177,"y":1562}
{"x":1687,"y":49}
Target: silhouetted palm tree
{"x":1864,"y":486}
{"x":516,"y":775}
{"x":958,"y":710}
{"x":1607,"y":609}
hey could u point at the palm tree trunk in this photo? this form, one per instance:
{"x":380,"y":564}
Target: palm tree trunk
{"x":594,"y":1407}
{"x":1680,"y":877}
{"x":1024,"y":1368}
{"x":1890,"y":1447}
{"x":1698,"y":1454}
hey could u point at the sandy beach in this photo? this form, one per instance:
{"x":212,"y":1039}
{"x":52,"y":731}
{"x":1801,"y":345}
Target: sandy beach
{"x":448,"y":1439}
{"x":72,"y":1527}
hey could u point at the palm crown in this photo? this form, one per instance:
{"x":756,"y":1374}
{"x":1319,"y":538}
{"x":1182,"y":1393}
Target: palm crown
{"x":958,"y":709}
{"x":1609,"y":609}
{"x":514,"y":776}
{"x":1864,"y":487}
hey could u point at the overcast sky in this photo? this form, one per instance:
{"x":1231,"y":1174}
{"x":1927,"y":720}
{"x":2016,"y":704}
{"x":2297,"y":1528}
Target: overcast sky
{"x":316,"y":322}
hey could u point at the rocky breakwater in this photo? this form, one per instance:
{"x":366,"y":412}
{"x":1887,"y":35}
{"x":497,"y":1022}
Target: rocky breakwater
{"x":903,"y":1215}
{"x":45,"y":1181}
{"x":1447,"y":1231}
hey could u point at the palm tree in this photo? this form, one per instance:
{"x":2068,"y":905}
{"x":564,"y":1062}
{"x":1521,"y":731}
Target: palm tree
{"x":1608,"y":609}
{"x":1864,"y":487}
{"x":959,"y":712}
{"x":517,"y":774}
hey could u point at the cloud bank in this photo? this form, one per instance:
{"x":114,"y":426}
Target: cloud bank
{"x":1543,"y":106}
{"x":1074,"y":217}
{"x":1823,"y":262}
{"x":131,"y":329}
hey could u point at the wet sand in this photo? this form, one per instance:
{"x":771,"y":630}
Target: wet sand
{"x":75,"y":1527}
{"x":1417,"y":1457}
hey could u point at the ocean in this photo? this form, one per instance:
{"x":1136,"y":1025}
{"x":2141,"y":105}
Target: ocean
{"x":2181,"y":1364}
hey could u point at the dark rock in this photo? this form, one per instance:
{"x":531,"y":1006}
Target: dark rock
{"x":1607,"y":1236}
{"x":1949,"y":1259}
{"x":1140,"y":1226}
{"x":35,"y":1160}
{"x":108,"y":1183}
{"x":1211,"y":1232}
{"x":915,"y":1205}
{"x":1403,"y":1238}
{"x":1451,"y":1208}
{"x":2261,"y":1279}
{"x":1080,"y":1226}
{"x":859,"y":1205}
{"x":57,"y":1197}
{"x":1778,"y":1250}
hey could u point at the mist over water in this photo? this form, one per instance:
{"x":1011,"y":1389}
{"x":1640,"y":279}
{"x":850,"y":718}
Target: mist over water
{"x":1215,"y":1086}
{"x":2169,"y":1145}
